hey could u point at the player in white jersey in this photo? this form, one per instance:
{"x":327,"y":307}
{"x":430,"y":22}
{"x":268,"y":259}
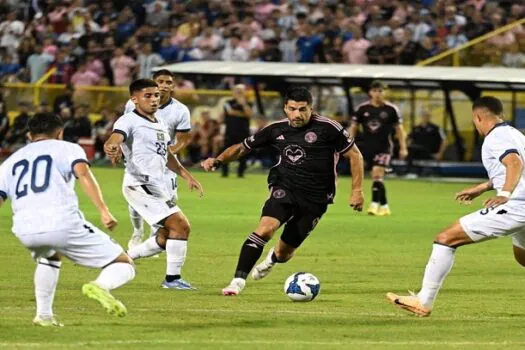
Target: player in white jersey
{"x":39,"y":179}
{"x":503,"y":155}
{"x":176,"y":117}
{"x":143,"y":141}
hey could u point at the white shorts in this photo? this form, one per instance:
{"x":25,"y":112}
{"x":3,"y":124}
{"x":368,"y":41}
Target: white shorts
{"x":152,"y":202}
{"x":85,"y":245}
{"x":171,"y":184}
{"x":504,"y":220}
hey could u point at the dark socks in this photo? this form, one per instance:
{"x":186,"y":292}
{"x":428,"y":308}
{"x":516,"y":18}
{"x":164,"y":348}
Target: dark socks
{"x":171,"y":278}
{"x":251,"y":251}
{"x":379,"y":192}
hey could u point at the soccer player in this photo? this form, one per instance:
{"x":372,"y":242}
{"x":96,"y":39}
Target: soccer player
{"x":143,"y":141}
{"x":176,"y":117}
{"x":503,"y":154}
{"x":39,"y":179}
{"x":379,"y":118}
{"x":302,"y":183}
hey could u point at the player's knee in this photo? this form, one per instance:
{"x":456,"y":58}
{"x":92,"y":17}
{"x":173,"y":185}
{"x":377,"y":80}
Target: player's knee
{"x":124,"y":258}
{"x":444,"y":238}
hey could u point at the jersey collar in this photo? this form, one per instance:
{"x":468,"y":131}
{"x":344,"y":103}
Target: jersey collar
{"x":170,"y":101}
{"x":496,"y":126}
{"x":143,"y":116}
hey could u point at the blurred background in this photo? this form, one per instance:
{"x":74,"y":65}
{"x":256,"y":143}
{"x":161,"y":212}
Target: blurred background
{"x":77,"y":57}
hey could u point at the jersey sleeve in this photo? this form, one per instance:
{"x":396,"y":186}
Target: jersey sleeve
{"x":75,"y":155}
{"x":130,"y":106}
{"x":396,"y":115}
{"x":185,"y":121}
{"x":340,"y":138}
{"x":122,"y":126}
{"x":501,"y":146}
{"x":260,"y":139}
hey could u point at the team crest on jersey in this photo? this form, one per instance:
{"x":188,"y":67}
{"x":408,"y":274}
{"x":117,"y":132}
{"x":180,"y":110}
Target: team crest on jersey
{"x":310,"y":137}
{"x":383,"y":115}
{"x":373,"y":125}
{"x":366,"y":114}
{"x":160,"y":136}
{"x":279,"y":193}
{"x":294,"y":154}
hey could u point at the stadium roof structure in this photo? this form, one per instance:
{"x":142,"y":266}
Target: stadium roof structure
{"x":470,"y":80}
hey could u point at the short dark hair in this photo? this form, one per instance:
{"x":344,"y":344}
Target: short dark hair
{"x":377,"y":84}
{"x":298,"y":94}
{"x":140,"y":84}
{"x":491,"y":103}
{"x":162,"y":72}
{"x":44,"y":123}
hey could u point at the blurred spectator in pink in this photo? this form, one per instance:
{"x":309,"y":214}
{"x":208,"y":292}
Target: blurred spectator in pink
{"x":95,"y":65}
{"x":123,"y":67}
{"x":263,"y":8}
{"x":84,"y":77}
{"x":354,"y":50}
{"x":58,"y":18}
{"x":209,"y":43}
{"x":49,"y":47}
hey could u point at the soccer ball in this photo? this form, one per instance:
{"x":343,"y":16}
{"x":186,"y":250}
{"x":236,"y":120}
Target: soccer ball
{"x":302,"y":286}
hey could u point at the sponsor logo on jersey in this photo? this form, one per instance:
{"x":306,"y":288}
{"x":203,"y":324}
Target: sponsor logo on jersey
{"x":294,"y":154}
{"x":310,"y":137}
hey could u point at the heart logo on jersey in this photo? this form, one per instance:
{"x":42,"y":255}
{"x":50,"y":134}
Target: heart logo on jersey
{"x":295,"y":154}
{"x":373,"y":125}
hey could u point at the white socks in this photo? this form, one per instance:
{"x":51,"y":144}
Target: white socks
{"x":137,"y":222}
{"x":46,"y":279}
{"x":147,"y":248}
{"x":438,"y":266}
{"x":115,"y":275}
{"x":175,"y":256}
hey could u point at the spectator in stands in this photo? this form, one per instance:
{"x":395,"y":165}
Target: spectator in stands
{"x":64,"y":70}
{"x":427,"y":49}
{"x":514,"y":58}
{"x":94,"y":64}
{"x":4,"y":119}
{"x":79,"y":126}
{"x":407,"y":50}
{"x":11,"y":31}
{"x":43,"y":107}
{"x":209,"y":43}
{"x":123,"y":68}
{"x":184,"y":89}
{"x":8,"y":66}
{"x":236,"y":117}
{"x":167,"y":51}
{"x":502,"y":40}
{"x":373,"y":53}
{"x":16,"y":135}
{"x":271,"y":52}
{"x":354,"y":50}
{"x":388,"y":53}
{"x":310,"y":47}
{"x":206,"y":129}
{"x":427,"y":140}
{"x":159,"y":17}
{"x":103,"y":129}
{"x":455,"y":38}
{"x":147,"y":60}
{"x":65,"y":100}
{"x":38,"y":63}
{"x":84,"y":77}
{"x":233,"y":51}
{"x":288,"y":46}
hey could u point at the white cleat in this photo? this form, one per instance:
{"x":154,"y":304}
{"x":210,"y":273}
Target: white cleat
{"x":133,"y":242}
{"x":52,"y":321}
{"x":260,"y":271}
{"x":235,"y":288}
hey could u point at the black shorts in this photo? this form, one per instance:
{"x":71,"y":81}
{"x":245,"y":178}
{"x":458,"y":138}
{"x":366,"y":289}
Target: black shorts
{"x":298,"y":215}
{"x":377,"y":158}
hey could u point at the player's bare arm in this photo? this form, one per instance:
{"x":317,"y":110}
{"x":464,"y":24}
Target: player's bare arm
{"x":90,"y":186}
{"x":467,"y":195}
{"x":112,"y":147}
{"x":183,"y":140}
{"x":402,"y":137}
{"x":230,"y":154}
{"x":513,"y":170}
{"x":357,"y":198}
{"x":175,"y":166}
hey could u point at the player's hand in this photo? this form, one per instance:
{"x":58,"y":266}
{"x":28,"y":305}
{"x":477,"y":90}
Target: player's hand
{"x":495,"y":201}
{"x":403,"y":153}
{"x":467,"y":196}
{"x":113,"y":153}
{"x":193,"y":184}
{"x":357,"y":200}
{"x":210,"y":164}
{"x":108,"y":220}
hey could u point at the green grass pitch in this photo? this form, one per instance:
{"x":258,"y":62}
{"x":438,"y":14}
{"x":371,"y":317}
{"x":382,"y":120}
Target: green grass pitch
{"x":357,"y":258}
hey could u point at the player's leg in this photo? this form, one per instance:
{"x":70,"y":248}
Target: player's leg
{"x":46,"y":279}
{"x":378,"y":189}
{"x":277,"y":210}
{"x":473,"y":228}
{"x":138,"y":227}
{"x":176,"y":245}
{"x":296,"y":230}
{"x":242,"y":166}
{"x":518,"y":247}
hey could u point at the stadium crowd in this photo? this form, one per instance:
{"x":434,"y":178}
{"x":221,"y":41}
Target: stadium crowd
{"x":93,"y":42}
